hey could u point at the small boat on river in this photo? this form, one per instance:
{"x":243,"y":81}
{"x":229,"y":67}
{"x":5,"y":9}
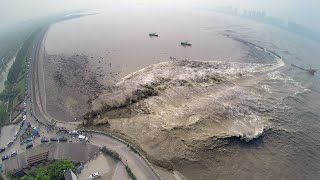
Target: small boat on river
{"x":186,"y":43}
{"x":153,"y":34}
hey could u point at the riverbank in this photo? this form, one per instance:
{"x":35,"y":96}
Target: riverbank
{"x":15,"y":83}
{"x":15,"y":80}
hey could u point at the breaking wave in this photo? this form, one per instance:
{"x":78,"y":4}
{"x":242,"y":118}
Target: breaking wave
{"x":255,"y":135}
{"x":212,"y":97}
{"x":246,"y":140}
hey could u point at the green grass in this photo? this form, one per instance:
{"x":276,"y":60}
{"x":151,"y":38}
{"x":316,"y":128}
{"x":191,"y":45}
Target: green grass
{"x":3,"y":113}
{"x":20,"y":86}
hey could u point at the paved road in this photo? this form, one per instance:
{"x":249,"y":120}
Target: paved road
{"x":120,"y":173}
{"x":9,"y":131}
{"x":137,"y":164}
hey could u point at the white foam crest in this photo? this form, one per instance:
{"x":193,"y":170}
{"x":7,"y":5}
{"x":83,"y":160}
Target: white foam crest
{"x":266,"y":88}
{"x":241,"y":118}
{"x":297,"y":87}
{"x":253,"y":135}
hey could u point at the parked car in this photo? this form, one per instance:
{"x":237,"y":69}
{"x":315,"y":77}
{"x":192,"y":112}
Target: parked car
{"x":29,"y":146}
{"x":2,"y":149}
{"x":14,"y":153}
{"x":28,"y":140}
{"x":63,"y":139}
{"x":53,"y":139}
{"x":95,"y":175}
{"x":44,"y":140}
{"x":73,"y":133}
{"x":10,"y":143}
{"x":22,"y":123}
{"x":5,"y":157}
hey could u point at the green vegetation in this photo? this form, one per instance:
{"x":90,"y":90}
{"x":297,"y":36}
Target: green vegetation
{"x":131,"y":175}
{"x":9,"y":175}
{"x":20,"y":88}
{"x":111,"y":153}
{"x":11,"y":41}
{"x":15,"y":85}
{"x":3,"y":114}
{"x":20,"y":38}
{"x":53,"y":171}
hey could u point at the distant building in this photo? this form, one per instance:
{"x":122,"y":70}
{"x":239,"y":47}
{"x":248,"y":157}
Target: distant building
{"x":69,"y":175}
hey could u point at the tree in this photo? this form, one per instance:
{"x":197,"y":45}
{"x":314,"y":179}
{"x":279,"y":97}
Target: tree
{"x":26,"y":178}
{"x":42,"y":174}
{"x":57,"y":169}
{"x":54,"y":171}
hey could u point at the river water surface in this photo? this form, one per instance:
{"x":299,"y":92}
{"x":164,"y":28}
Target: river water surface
{"x":288,"y":147}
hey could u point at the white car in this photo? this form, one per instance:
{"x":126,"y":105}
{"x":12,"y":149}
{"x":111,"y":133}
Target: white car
{"x":95,"y":175}
{"x":14,"y":153}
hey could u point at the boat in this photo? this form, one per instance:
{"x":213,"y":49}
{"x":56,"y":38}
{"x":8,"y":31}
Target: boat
{"x":153,"y":34}
{"x":186,"y":43}
{"x":310,"y":70}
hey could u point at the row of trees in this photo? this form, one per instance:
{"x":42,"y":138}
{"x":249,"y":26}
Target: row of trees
{"x":3,"y":114}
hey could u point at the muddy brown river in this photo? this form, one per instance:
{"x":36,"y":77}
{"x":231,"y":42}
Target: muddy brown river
{"x":123,"y":38}
{"x":279,"y":107}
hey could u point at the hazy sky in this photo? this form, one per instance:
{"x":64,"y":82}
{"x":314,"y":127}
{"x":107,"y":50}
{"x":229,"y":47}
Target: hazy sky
{"x":304,"y":12}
